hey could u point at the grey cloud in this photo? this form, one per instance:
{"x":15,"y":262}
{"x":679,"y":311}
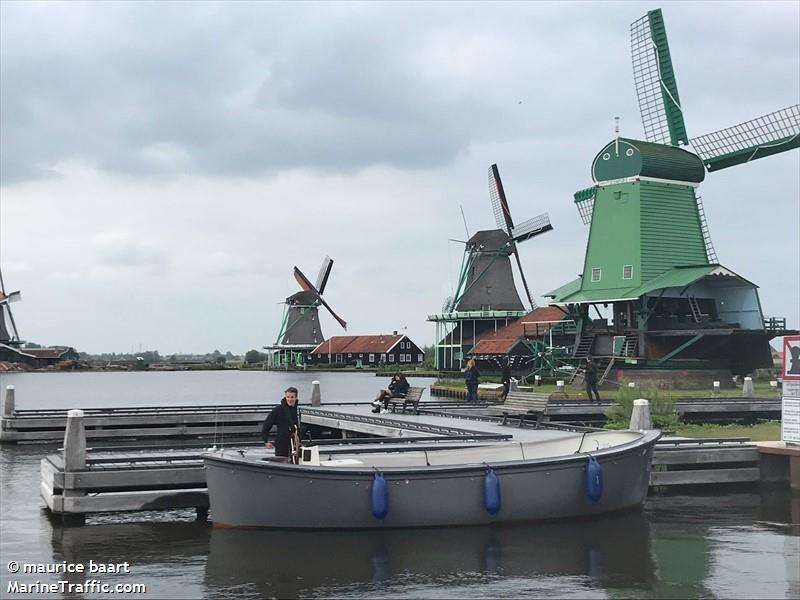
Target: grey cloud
{"x":250,"y":89}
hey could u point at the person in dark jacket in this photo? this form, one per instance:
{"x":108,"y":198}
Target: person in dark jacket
{"x":471,"y":378}
{"x":285,"y":416}
{"x":398,"y":388}
{"x":590,"y":377}
{"x":505,"y":374}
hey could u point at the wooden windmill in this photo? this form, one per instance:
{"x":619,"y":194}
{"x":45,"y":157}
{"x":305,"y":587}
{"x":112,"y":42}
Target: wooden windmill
{"x":649,"y":252}
{"x":486,"y":296}
{"x":300,"y":329}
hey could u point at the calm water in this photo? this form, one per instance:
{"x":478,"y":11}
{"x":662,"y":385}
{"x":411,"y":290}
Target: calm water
{"x":743,"y":545}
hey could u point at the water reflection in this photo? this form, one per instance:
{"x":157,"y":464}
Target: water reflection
{"x":613,"y":551}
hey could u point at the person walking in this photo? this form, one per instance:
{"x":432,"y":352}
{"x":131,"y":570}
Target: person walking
{"x":471,"y":378}
{"x":505,"y":374}
{"x":590,"y":377}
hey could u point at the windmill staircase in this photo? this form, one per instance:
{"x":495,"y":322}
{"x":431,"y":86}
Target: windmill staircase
{"x":630,"y":345}
{"x":697,"y":313}
{"x":584,"y":346}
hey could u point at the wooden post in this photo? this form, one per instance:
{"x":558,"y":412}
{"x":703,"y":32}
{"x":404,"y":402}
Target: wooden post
{"x":74,"y":460}
{"x":747,"y":389}
{"x":640,"y":416}
{"x":74,"y":442}
{"x":9,"y":403}
{"x":8,"y":413}
{"x":316,"y":395}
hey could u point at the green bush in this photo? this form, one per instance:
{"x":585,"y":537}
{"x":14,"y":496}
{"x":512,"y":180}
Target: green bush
{"x":662,"y":408}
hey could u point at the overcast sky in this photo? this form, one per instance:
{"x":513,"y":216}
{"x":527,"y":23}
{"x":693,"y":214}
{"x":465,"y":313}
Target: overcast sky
{"x":164,"y":166}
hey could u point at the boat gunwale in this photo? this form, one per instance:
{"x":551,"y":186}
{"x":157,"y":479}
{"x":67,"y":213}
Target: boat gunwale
{"x":648,"y":439}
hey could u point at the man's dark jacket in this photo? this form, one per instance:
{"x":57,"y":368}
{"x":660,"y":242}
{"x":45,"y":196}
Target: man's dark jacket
{"x":284,"y":416}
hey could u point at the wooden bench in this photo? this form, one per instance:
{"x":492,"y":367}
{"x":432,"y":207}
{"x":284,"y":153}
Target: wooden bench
{"x":412,"y":397}
{"x":522,"y":404}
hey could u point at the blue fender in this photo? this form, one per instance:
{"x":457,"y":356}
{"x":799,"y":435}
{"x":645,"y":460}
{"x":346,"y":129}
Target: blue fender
{"x":491,"y":492}
{"x":594,"y":479}
{"x":379,"y":496}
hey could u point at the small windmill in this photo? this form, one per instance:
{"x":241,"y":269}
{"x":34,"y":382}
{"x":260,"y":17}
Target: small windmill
{"x":486,"y":281}
{"x":7,"y":336}
{"x":649,"y":254}
{"x":300,"y":325}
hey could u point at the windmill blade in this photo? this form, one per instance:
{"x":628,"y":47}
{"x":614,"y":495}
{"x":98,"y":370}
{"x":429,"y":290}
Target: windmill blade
{"x":656,"y":88}
{"x":308,"y":287}
{"x":324,"y":273}
{"x":303,"y":281}
{"x":12,"y":297}
{"x":767,"y":135}
{"x":531,"y":228}
{"x":584,"y":200}
{"x":339,"y":319}
{"x":524,"y":281}
{"x":497,"y":196}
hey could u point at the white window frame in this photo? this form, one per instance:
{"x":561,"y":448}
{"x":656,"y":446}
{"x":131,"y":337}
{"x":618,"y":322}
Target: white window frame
{"x":630,"y":273}
{"x":420,"y":357}
{"x":371,"y":358}
{"x":597,"y":271}
{"x":402,"y":358}
{"x":391,"y":358}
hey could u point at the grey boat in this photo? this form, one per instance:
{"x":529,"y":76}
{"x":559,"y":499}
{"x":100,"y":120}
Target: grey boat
{"x":567,"y":476}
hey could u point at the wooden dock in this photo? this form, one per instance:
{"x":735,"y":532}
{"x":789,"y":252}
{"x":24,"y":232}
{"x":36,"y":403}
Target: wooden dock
{"x":78,"y":482}
{"x":244,"y":421}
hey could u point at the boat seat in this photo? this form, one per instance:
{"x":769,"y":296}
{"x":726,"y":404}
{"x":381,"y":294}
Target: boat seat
{"x":412,"y":399}
{"x":522,"y":404}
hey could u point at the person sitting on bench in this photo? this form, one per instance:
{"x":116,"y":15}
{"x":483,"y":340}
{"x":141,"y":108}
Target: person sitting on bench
{"x":398,"y":388}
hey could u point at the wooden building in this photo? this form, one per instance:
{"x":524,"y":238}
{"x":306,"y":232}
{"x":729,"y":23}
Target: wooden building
{"x":37,"y":357}
{"x":367,"y":350}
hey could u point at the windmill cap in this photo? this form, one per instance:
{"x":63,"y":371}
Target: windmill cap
{"x":646,"y":159}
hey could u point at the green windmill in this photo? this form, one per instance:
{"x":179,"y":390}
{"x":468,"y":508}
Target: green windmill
{"x":649,"y":257}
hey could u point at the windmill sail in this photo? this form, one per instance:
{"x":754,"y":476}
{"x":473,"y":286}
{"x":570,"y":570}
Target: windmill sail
{"x":7,"y":336}
{"x":531,"y":228}
{"x":324,"y":273}
{"x":656,"y":88}
{"x":497,"y":196}
{"x":767,"y":135}
{"x":308,"y":287}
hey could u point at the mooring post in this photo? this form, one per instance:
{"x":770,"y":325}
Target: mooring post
{"x":9,"y":402}
{"x":74,"y":460}
{"x":74,"y":442}
{"x":8,"y":412}
{"x":747,"y":388}
{"x":316,"y":395}
{"x":640,"y":416}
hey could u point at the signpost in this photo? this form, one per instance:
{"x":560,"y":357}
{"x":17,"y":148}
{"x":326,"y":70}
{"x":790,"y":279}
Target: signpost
{"x":790,"y":418}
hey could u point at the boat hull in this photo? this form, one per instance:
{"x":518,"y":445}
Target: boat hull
{"x":251,"y":493}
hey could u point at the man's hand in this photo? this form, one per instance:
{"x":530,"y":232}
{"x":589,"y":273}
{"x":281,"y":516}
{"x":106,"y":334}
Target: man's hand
{"x":269,"y":445}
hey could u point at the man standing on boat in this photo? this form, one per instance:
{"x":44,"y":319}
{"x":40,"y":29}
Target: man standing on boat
{"x":287,"y":419}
